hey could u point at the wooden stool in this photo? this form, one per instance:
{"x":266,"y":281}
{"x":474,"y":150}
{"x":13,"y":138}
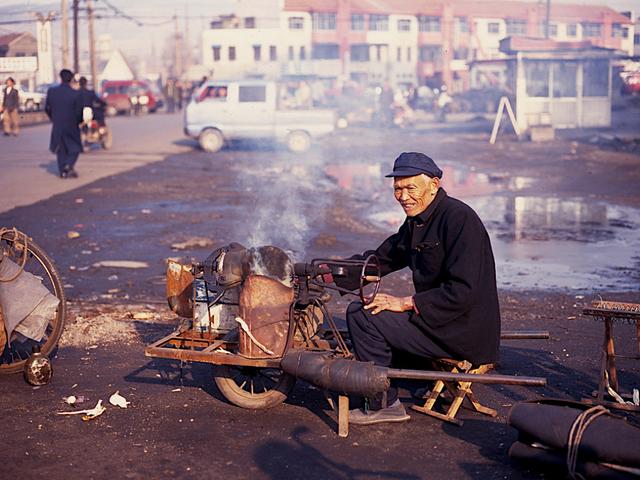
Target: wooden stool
{"x":461,"y":391}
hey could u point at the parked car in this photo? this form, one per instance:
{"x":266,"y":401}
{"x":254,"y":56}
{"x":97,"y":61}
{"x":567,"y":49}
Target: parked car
{"x":128,"y":97}
{"x":220,"y":112}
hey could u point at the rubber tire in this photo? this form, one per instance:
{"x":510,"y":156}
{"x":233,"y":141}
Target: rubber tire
{"x":241,"y":398}
{"x":211,"y":140}
{"x":298,"y":141}
{"x":59,"y":319}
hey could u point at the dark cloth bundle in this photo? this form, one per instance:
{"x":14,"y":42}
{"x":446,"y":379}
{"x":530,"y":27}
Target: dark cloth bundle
{"x":609,"y":447}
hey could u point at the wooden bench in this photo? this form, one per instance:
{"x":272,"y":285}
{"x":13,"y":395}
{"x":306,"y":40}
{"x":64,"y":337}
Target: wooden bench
{"x":461,"y":392}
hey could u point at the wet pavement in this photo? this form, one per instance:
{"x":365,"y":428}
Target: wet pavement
{"x":563,"y":220}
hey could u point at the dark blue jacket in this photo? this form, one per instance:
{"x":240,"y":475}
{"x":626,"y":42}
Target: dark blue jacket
{"x":448,"y":251}
{"x":64,"y":108}
{"x":11,"y":101}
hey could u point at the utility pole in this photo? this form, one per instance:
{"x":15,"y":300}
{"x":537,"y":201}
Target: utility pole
{"x":76,"y":57}
{"x":65,"y":34}
{"x":546,"y":23}
{"x":178,"y":60}
{"x":92,"y":45}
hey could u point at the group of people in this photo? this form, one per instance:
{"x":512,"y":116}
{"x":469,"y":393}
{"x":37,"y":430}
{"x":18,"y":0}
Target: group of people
{"x":64,"y":106}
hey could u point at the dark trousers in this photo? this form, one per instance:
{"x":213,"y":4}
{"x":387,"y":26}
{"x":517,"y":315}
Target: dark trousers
{"x":376,"y":337}
{"x":66,"y":161}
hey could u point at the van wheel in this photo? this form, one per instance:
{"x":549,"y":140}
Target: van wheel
{"x":211,"y":140}
{"x":298,"y":141}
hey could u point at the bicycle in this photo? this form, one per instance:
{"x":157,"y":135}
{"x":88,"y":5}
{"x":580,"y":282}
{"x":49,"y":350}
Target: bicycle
{"x":30,"y":258}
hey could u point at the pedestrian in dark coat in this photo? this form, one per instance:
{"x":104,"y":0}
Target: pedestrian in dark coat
{"x":9,"y":108}
{"x":454,"y":312}
{"x":64,"y":108}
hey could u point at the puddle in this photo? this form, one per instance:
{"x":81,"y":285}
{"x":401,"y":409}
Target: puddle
{"x":538,"y":242}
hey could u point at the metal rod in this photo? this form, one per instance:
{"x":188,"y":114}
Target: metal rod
{"x":524,"y":334}
{"x":466,"y":377}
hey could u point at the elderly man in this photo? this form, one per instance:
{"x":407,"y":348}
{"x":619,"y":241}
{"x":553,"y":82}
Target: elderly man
{"x":454,"y":312}
{"x":64,"y":107}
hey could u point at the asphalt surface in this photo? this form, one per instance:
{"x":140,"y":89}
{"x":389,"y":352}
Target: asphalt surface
{"x":155,"y":190}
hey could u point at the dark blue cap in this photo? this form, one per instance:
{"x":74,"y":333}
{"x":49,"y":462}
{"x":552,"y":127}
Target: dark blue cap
{"x":409,"y":164}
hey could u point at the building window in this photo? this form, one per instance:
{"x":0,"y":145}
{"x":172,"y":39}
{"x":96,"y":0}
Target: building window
{"x":378,"y":49}
{"x":291,"y":55}
{"x":461,"y":53}
{"x":537,"y":78}
{"x":462,"y":24}
{"x":296,"y":23}
{"x":564,"y":79}
{"x":595,"y":79}
{"x":216,"y":53}
{"x":257,"y":52}
{"x":636,"y":39}
{"x":591,"y":29}
{"x":428,"y":24}
{"x":303,"y":53}
{"x":232,"y":54}
{"x":273,"y":53}
{"x":542,"y":29}
{"x":398,"y":54}
{"x":516,"y":26}
{"x":323,"y":21}
{"x":572,"y":29}
{"x":493,"y":27}
{"x":430,"y":53}
{"x":408,"y":54}
{"x":619,"y":31}
{"x":360,"y":53}
{"x":325,"y":51}
{"x":379,"y":23}
{"x":357,"y":22}
{"x":252,"y":93}
{"x":250,"y":22}
{"x":404,"y":25}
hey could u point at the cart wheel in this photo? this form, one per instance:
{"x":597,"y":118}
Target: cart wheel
{"x":253,"y":387}
{"x":38,"y":263}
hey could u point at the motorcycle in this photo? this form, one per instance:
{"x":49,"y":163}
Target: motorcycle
{"x":91,"y":132}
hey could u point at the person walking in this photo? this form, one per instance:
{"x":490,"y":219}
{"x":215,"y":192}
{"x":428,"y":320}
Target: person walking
{"x":64,"y":108}
{"x":9,"y":108}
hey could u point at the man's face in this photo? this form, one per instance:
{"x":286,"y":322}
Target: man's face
{"x":415,"y":193}
{"x":9,"y":83}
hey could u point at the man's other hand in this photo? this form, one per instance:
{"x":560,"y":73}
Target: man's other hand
{"x":389,"y":302}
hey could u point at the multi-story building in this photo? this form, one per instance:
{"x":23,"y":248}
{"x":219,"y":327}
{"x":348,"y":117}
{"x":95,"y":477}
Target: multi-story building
{"x":401,"y":41}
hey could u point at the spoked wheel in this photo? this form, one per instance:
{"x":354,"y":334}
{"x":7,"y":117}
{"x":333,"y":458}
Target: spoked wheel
{"x":38,"y":263}
{"x":253,"y":387}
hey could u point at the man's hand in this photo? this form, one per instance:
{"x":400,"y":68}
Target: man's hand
{"x":391,"y":303}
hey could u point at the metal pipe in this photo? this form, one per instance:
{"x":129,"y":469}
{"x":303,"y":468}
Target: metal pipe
{"x":466,"y":377}
{"x":524,"y":334}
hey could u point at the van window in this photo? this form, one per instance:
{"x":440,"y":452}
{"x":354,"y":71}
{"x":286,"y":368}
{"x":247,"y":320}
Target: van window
{"x":252,"y":93}
{"x":217,"y":93}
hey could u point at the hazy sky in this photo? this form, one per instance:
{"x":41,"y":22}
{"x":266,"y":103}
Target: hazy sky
{"x":156,"y":15}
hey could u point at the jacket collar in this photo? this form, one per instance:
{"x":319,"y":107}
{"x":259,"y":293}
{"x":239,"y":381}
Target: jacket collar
{"x":423,"y":217}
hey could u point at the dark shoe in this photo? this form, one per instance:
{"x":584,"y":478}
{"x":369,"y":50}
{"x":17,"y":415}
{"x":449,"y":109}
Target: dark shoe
{"x":72,"y":174}
{"x":64,"y":174}
{"x":6,"y":134}
{"x":393,"y":414}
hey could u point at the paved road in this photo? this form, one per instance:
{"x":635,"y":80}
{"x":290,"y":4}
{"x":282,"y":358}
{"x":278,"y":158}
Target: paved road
{"x":29,"y":170}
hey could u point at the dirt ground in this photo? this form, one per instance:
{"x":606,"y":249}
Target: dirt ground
{"x":178,"y":424}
